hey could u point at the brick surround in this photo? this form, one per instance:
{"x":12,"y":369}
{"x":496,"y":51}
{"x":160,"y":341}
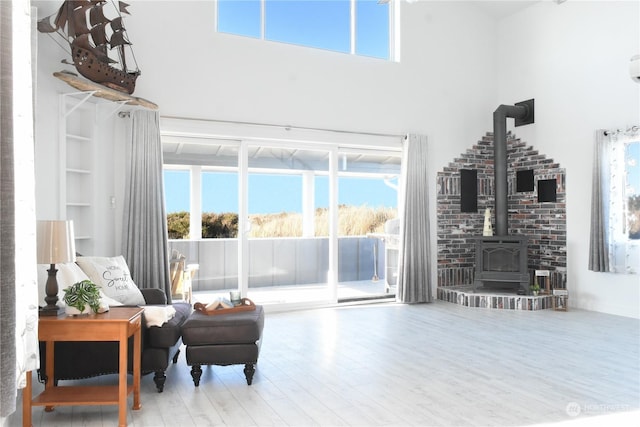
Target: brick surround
{"x":464,"y":296}
{"x":543,"y":222}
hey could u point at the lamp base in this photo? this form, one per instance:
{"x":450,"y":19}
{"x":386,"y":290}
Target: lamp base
{"x":51,"y":298}
{"x":50,"y":311}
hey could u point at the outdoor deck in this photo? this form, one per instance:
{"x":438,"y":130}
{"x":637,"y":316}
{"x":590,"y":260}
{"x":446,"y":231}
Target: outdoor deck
{"x":272,"y":295}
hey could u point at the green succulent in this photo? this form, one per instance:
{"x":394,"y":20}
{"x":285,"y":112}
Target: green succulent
{"x":535,"y":287}
{"x":81,"y":294}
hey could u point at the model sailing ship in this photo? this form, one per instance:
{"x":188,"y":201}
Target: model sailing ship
{"x":93,"y":38}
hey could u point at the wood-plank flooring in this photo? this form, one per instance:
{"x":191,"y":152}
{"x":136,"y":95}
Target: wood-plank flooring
{"x":390,"y":364}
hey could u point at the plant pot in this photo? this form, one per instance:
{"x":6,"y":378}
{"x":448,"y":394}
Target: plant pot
{"x":72,"y":311}
{"x":535,"y":293}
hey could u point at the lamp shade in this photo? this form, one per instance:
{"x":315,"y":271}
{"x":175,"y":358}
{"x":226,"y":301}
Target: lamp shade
{"x":56,"y":243}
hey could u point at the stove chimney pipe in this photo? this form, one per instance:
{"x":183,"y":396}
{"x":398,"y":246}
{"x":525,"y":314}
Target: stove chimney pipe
{"x":522,"y":112}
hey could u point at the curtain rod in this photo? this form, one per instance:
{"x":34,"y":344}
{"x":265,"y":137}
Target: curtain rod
{"x":630,"y":130}
{"x":287,"y":127}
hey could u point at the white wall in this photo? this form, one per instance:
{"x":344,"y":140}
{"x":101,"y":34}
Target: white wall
{"x":573,"y":58}
{"x":444,"y":86}
{"x":47,"y":148}
{"x":454,"y":71}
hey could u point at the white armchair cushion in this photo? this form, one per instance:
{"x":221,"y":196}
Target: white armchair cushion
{"x":112,"y":275}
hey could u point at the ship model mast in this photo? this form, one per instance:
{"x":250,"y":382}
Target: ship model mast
{"x":92,"y":37}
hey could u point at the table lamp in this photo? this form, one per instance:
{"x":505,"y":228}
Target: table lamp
{"x":56,"y":245}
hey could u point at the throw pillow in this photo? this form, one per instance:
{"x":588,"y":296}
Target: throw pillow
{"x":67,"y":275}
{"x":113,"y":276}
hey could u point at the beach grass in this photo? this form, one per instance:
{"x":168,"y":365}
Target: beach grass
{"x":352,"y":221}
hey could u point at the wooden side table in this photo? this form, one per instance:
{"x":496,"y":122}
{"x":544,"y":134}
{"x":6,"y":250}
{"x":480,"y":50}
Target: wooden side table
{"x":118,"y":324}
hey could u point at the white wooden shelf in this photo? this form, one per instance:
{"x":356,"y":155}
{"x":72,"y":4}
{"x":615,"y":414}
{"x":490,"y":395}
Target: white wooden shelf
{"x":80,"y":171}
{"x":86,"y":119}
{"x":78,"y":121}
{"x":80,"y":138}
{"x":103,"y":92}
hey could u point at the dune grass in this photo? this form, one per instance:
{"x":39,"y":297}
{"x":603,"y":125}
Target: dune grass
{"x":352,"y":221}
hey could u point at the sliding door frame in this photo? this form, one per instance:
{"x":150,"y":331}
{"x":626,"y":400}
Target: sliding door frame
{"x":244,"y":135}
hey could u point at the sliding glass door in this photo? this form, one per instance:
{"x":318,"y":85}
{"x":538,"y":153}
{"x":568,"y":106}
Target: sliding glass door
{"x":288,"y":258}
{"x":286,"y":216}
{"x":366,"y":204}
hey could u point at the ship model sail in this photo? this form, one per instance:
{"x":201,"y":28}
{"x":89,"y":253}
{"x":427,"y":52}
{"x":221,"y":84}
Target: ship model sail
{"x":99,"y":45}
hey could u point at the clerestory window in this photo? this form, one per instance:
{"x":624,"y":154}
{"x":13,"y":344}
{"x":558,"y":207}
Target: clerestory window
{"x":359,"y":27}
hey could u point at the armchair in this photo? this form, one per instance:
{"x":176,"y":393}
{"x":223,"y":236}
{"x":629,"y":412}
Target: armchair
{"x":160,"y":344}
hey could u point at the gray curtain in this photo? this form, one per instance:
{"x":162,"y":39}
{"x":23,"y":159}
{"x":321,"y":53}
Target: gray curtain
{"x":145,"y":244}
{"x":7,"y":220}
{"x":598,"y":244}
{"x":414,"y":262}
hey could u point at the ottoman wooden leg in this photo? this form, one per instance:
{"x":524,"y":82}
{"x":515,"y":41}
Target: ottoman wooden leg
{"x":249,"y":370}
{"x":196,"y":373}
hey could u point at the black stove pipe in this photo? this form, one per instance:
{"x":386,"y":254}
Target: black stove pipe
{"x":522,"y":112}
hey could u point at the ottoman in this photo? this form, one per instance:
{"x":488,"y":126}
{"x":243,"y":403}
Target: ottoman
{"x":223,"y":339}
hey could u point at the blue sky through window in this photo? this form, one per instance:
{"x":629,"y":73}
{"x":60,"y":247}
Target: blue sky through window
{"x":372,"y":31}
{"x":272,"y":193}
{"x":239,"y":17}
{"x":324,"y":24}
{"x":321,"y":24}
{"x":176,"y":190}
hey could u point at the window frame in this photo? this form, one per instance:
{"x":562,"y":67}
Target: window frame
{"x":243,"y":134}
{"x":620,"y":248}
{"x":393,"y":53}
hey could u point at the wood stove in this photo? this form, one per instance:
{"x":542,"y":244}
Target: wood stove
{"x":501,"y":262}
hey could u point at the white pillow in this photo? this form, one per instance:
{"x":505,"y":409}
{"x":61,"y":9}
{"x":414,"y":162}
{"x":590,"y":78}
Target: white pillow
{"x":68,"y":274}
{"x":112,"y":275}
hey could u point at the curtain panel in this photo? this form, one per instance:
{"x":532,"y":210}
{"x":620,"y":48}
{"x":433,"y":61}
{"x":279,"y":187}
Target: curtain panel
{"x":414,"y":257}
{"x":145,"y":238}
{"x":615,"y":172}
{"x":18,"y":287}
{"x":598,"y":242}
{"x":7,"y":224}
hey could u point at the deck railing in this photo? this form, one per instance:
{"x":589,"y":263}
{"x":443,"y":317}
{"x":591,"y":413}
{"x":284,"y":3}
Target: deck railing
{"x":281,"y":261}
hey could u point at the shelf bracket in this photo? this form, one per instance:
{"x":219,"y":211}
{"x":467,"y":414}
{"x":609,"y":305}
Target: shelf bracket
{"x":85,"y":97}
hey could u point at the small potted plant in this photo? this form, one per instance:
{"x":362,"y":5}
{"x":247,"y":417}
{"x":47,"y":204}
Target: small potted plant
{"x":535,"y":288}
{"x":81,"y":295}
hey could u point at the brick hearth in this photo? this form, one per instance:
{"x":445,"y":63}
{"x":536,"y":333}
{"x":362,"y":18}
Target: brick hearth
{"x":464,"y":296}
{"x":543,"y":222}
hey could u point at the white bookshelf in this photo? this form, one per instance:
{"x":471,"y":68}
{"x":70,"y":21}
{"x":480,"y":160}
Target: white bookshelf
{"x":78,"y":122}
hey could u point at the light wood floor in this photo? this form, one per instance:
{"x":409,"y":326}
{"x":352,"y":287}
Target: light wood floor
{"x":390,"y":364}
